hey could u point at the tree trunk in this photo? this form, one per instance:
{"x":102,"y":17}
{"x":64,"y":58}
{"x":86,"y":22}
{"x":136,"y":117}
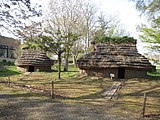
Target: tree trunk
{"x":74,"y":59}
{"x":66,"y":63}
{"x":59,"y":65}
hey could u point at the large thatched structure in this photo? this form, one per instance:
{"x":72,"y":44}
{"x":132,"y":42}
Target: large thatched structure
{"x":33,"y":60}
{"x":122,"y":60}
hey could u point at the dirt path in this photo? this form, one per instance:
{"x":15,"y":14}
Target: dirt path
{"x":22,"y":108}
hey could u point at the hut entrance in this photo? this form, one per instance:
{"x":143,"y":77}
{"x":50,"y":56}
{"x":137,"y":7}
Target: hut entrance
{"x":121,"y":72}
{"x":31,"y":69}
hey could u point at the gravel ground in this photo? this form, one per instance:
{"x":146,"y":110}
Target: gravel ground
{"x":27,"y":109}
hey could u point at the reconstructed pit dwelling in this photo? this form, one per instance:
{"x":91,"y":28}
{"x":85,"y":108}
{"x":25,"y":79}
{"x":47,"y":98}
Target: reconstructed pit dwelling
{"x":33,"y":60}
{"x":122,"y":60}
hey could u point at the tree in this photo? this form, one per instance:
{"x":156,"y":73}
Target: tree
{"x":109,"y":26}
{"x":150,"y":33}
{"x":53,"y":44}
{"x":148,"y":7}
{"x":15,"y":14}
{"x":70,"y":43}
{"x":69,"y":17}
{"x":88,"y":21}
{"x":30,"y":32}
{"x":76,"y":49}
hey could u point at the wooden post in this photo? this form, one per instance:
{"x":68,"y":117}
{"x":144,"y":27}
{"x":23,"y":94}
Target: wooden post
{"x":52,"y":91}
{"x":144,"y":105}
{"x":9,"y":81}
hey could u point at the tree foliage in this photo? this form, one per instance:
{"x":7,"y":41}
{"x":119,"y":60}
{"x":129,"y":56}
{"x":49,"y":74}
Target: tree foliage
{"x":150,"y":35}
{"x":148,"y":7}
{"x":151,"y":32}
{"x":116,"y":40}
{"x":15,"y":14}
{"x":109,"y":26}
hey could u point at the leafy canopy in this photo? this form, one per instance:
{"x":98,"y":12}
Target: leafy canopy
{"x":115,"y":40}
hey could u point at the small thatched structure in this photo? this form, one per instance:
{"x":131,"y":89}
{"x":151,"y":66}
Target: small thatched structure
{"x":122,"y":60}
{"x":33,"y":60}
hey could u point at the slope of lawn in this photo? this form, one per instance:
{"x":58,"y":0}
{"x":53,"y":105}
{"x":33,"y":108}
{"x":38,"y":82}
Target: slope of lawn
{"x":76,"y":89}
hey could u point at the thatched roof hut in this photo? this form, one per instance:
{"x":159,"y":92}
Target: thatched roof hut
{"x":33,"y":60}
{"x":122,"y":60}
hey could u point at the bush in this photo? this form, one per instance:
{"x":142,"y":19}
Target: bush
{"x":10,"y":63}
{"x":6,"y":63}
{"x":116,"y":40}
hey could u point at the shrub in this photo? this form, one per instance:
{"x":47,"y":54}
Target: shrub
{"x":6,"y":63}
{"x":116,"y":40}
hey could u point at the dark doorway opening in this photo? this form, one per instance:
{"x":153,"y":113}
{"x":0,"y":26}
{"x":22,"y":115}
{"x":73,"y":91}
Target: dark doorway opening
{"x":121,"y":72}
{"x":31,"y":69}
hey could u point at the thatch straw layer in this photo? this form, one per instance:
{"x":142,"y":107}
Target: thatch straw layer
{"x":113,"y":56}
{"x":33,"y":58}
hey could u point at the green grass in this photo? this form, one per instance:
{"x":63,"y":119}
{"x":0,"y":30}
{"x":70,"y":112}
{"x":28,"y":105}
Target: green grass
{"x":157,"y":67}
{"x":9,"y":71}
{"x":156,"y":73}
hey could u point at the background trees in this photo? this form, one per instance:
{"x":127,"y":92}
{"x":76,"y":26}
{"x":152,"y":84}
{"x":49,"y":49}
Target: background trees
{"x":151,"y":10}
{"x":66,"y":28}
{"x":65,"y":17}
{"x":150,"y":33}
{"x":108,"y":26}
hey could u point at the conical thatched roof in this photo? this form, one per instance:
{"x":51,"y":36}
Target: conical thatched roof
{"x":112,"y":56}
{"x":33,"y":58}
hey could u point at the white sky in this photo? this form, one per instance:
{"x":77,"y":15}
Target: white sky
{"x":127,"y":12}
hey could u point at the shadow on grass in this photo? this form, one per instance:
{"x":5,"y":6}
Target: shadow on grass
{"x":18,"y":105}
{"x":6,"y":96}
{"x":37,"y":109}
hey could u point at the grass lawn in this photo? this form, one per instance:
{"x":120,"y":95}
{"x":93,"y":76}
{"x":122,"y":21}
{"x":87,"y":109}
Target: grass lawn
{"x":16,"y":94}
{"x":87,"y":90}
